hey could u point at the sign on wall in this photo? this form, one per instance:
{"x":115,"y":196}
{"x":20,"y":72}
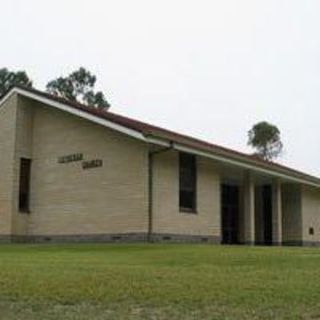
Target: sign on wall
{"x":92,"y":164}
{"x":86,"y":164}
{"x":71,"y":158}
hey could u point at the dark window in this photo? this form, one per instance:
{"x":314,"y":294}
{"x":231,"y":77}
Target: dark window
{"x":24,"y":186}
{"x":188,"y":181}
{"x":311,"y":231}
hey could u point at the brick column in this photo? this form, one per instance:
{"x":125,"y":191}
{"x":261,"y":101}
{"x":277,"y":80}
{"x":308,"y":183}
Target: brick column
{"x":249,"y":209}
{"x":276,"y":213}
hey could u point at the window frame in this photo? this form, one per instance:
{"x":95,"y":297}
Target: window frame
{"x":194,"y":179}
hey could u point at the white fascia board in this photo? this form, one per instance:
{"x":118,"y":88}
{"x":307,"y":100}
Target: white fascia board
{"x":153,"y":140}
{"x":7,"y":96}
{"x":77,"y":112}
{"x":182,"y":148}
{"x":157,"y":141}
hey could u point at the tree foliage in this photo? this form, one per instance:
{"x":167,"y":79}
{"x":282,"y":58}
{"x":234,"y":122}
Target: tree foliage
{"x":265,"y":138}
{"x":78,"y":87}
{"x":9,"y":79}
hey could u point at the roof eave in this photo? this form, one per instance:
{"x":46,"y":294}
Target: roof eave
{"x":80,"y":113}
{"x":232,"y":161}
{"x":153,"y":139}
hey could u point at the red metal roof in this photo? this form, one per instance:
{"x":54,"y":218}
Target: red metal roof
{"x":158,"y":132}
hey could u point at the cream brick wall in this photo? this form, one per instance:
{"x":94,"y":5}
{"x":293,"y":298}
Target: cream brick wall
{"x":166,"y":215}
{"x":7,"y":142}
{"x":67,"y":200}
{"x":23,"y":149}
{"x":310,"y":213}
{"x":291,"y":213}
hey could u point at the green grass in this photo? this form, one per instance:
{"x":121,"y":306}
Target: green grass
{"x":146,"y":281}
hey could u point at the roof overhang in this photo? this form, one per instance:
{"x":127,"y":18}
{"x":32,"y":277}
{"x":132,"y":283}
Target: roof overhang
{"x":227,"y":160}
{"x":76,"y":112}
{"x":155,"y":140}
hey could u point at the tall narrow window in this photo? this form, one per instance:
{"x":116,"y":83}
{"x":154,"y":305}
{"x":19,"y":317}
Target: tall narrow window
{"x":188,"y":182}
{"x":24,"y":186}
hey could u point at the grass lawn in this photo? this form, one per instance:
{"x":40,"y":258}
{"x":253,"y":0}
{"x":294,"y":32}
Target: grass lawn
{"x":144,"y":281}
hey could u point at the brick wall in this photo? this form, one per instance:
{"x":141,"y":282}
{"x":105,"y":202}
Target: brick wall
{"x":167,"y":218}
{"x":65,"y":198}
{"x":7,"y":142}
{"x":310,"y":214}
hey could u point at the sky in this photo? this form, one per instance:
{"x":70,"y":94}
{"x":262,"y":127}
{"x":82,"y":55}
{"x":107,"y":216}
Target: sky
{"x":210,"y":69}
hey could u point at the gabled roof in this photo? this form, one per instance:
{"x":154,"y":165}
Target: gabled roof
{"x":157,"y":135}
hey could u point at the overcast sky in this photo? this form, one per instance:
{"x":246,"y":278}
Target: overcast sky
{"x":210,"y":69}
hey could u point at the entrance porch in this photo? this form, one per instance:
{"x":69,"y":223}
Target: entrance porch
{"x":254,"y":210}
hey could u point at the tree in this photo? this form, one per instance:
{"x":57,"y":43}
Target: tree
{"x":9,"y":79}
{"x":265,"y":138}
{"x":78,"y":87}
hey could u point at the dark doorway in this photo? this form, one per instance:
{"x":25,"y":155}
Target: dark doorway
{"x":267,"y":213}
{"x":230,"y":214}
